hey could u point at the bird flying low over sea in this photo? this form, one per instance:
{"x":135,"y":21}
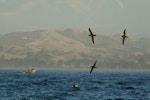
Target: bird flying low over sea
{"x":92,"y":67}
{"x":92,"y":35}
{"x":124,"y":36}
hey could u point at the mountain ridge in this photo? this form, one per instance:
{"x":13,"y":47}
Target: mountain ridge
{"x":72,"y":47}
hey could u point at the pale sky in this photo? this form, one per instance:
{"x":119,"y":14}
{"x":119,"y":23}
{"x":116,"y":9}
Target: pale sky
{"x":102,"y":16}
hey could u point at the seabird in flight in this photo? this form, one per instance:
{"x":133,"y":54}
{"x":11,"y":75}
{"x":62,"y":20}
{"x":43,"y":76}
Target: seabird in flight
{"x":92,"y":67}
{"x":92,"y":35}
{"x":124,"y":36}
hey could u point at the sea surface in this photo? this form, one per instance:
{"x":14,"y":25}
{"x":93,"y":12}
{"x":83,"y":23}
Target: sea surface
{"x":56,"y":85}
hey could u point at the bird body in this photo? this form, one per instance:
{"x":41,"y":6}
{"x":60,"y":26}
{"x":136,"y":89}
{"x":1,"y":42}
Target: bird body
{"x":91,"y":35}
{"x":74,"y":85}
{"x":124,"y":36}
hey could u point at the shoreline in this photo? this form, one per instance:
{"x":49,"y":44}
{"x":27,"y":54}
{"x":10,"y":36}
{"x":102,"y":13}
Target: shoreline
{"x":82,"y":69}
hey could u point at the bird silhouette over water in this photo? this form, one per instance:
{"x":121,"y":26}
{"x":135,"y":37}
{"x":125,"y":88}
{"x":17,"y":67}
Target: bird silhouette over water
{"x":124,"y":36}
{"x":92,"y":67}
{"x":92,"y":35}
{"x":74,"y":85}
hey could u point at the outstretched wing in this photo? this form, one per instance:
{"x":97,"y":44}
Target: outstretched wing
{"x":123,"y":39}
{"x":91,"y":69}
{"x":90,"y":31}
{"x":92,"y":39}
{"x":95,"y":63}
{"x":124,"y":32}
{"x":124,"y":36}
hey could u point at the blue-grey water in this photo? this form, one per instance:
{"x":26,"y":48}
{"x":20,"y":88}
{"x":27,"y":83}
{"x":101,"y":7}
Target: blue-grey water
{"x":55,"y":85}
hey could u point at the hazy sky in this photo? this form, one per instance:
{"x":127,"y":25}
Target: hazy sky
{"x":103,"y":16}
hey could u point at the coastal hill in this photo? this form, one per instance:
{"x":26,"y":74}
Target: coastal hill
{"x":72,"y":48}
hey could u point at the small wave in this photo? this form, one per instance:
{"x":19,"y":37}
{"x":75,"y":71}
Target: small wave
{"x":121,"y":83}
{"x":128,"y":88}
{"x":116,"y":99}
{"x":99,"y":82}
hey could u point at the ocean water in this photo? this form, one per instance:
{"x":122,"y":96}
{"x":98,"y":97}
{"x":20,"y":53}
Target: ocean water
{"x":55,"y":85}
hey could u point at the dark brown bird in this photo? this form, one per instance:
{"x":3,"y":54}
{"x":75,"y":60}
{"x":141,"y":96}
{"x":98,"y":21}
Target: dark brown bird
{"x":92,"y":35}
{"x":92,"y":67}
{"x":124,"y":36}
